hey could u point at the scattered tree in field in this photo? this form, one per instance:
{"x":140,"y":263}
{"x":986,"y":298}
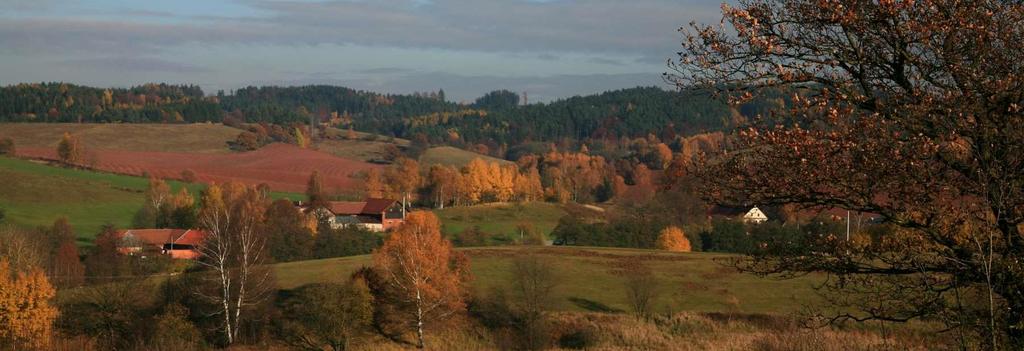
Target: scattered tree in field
{"x":331,"y":315}
{"x":189,"y":176}
{"x":235,"y":251}
{"x":67,"y":270}
{"x":533,"y":281}
{"x":26,"y":316}
{"x":300,"y":138}
{"x":157,"y":194}
{"x":104,"y":262}
{"x":7,"y":146}
{"x":673,"y":239}
{"x":423,"y":272}
{"x":288,"y":236}
{"x":69,"y":150}
{"x":404,"y":179}
{"x":375,"y":184}
{"x":23,"y":249}
{"x":641,"y":288}
{"x":906,"y":109}
{"x":315,"y":190}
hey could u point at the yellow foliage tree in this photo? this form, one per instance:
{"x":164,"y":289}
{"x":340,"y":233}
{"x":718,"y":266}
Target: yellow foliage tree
{"x":673,"y":239}
{"x":26,"y":316}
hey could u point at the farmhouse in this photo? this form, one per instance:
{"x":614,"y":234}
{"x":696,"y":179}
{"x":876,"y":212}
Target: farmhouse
{"x":372,"y":214}
{"x":752,"y":215}
{"x":177,"y":243}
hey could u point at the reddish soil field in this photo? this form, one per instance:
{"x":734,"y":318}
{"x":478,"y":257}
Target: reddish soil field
{"x":283,"y":167}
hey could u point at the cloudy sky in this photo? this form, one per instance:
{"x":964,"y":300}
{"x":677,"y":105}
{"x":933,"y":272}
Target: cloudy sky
{"x":548,"y":48}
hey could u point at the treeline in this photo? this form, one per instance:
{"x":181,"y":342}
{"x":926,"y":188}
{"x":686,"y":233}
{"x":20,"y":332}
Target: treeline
{"x":149,"y":103}
{"x":497,"y":118}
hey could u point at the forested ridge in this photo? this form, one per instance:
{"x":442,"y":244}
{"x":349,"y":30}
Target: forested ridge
{"x":495,"y":118}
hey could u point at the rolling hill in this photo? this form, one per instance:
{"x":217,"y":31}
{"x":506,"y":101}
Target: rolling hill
{"x":452,"y":156}
{"x":35,"y":194}
{"x":199,"y":137}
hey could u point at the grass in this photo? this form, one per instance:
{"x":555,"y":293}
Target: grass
{"x":35,"y":194}
{"x":451,"y":156}
{"x":199,"y":137}
{"x":590,"y":280}
{"x":501,"y":219}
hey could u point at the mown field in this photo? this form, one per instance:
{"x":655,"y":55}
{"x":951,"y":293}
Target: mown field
{"x":501,"y":219}
{"x":590,"y":280}
{"x":34,"y":194}
{"x":200,"y":137}
{"x":451,"y":156}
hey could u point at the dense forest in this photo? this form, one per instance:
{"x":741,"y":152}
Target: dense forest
{"x":496,"y":118}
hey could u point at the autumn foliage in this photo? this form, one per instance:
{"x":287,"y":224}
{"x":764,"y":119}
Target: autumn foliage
{"x":26,"y":316}
{"x":424,"y":276}
{"x":673,"y":239}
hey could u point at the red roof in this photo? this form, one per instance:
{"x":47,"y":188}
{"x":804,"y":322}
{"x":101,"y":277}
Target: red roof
{"x":371,"y":206}
{"x":346,"y":208}
{"x":159,"y":237}
{"x":377,"y":206}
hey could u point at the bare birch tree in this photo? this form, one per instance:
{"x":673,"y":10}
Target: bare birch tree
{"x":234,"y":250}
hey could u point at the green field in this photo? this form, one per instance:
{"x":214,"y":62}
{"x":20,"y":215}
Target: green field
{"x":451,"y":156}
{"x":34,"y":194}
{"x":589,"y":280}
{"x":501,"y":218}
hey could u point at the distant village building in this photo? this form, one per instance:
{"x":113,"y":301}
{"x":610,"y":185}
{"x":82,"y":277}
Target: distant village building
{"x":177,"y":243}
{"x":755,"y":216}
{"x":752,"y":215}
{"x":372,"y":214}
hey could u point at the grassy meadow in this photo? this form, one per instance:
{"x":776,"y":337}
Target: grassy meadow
{"x":501,"y":219}
{"x":34,"y":194}
{"x":590,"y":280}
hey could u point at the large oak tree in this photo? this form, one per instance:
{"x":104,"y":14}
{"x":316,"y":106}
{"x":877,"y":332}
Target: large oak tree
{"x":908,"y":109}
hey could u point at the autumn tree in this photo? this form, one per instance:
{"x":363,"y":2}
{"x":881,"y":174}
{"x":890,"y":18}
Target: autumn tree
{"x":234,"y":251}
{"x":404,"y":178}
{"x":26,"y":315}
{"x":69,"y":149}
{"x":673,"y":239}
{"x":104,"y":262}
{"x":443,"y":182}
{"x":23,"y":249}
{"x":375,"y":184}
{"x":426,"y":277}
{"x":315,"y":190}
{"x":907,"y":109}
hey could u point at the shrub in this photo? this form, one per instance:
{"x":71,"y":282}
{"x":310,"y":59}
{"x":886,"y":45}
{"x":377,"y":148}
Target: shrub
{"x":7,"y":146}
{"x":673,"y":239}
{"x":583,"y":338}
{"x":188,"y":176}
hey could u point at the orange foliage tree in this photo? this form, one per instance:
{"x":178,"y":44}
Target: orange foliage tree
{"x":673,"y":239}
{"x":26,"y":316}
{"x":422,"y":272}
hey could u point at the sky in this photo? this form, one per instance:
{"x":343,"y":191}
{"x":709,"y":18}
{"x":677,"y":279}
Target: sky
{"x":549,"y":49}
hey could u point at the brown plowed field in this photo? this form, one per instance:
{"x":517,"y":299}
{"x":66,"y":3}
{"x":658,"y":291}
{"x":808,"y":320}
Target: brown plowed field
{"x":283,"y":167}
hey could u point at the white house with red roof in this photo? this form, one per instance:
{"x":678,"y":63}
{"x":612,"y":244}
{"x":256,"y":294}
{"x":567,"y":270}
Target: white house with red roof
{"x":372,"y":214}
{"x":177,"y":243}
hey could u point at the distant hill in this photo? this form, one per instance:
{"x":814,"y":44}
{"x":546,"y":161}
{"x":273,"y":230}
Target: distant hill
{"x":496,"y":118}
{"x":452,"y":156}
